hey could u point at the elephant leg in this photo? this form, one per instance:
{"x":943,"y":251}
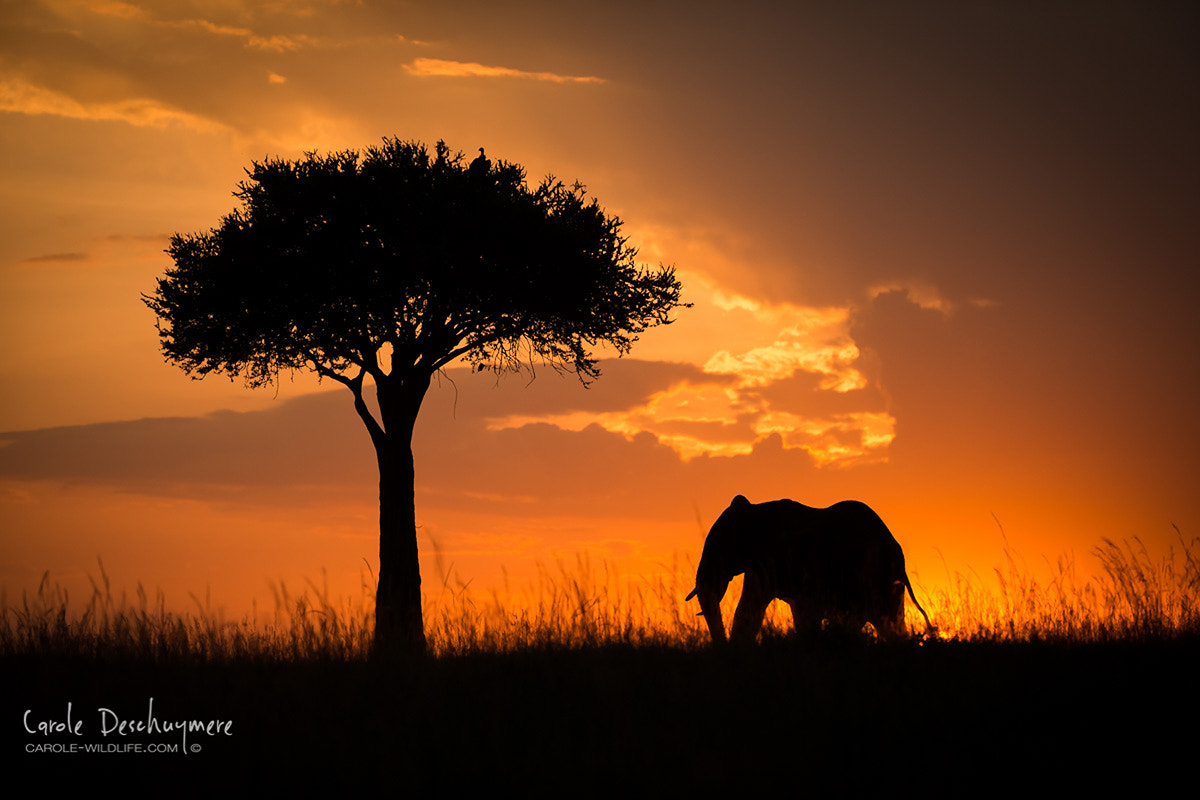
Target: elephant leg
{"x":805,"y":619}
{"x":748,"y":618}
{"x":889,"y":619}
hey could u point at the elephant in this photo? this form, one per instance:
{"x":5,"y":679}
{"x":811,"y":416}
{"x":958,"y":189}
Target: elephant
{"x":839,"y":564}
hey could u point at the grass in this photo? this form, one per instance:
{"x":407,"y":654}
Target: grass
{"x":1137,"y":598}
{"x":588,"y":683}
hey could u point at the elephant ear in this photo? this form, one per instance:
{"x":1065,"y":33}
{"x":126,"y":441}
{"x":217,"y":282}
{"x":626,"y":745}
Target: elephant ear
{"x":734,"y":518}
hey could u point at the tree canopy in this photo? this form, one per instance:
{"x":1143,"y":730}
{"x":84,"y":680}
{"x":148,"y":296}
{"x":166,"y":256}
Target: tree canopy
{"x":330,"y":258}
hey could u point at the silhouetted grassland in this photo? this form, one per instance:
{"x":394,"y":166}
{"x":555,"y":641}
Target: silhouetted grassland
{"x":1137,"y":598}
{"x":588,"y":683}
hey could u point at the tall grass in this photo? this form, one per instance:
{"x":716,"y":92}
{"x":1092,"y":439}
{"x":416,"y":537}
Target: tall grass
{"x":304,"y":626}
{"x":579,"y":606}
{"x":1136,"y":598}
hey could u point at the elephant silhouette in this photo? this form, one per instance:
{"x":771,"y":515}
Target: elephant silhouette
{"x":839,"y":564}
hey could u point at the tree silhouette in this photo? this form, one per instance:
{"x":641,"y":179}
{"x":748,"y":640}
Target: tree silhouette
{"x":390,"y":265}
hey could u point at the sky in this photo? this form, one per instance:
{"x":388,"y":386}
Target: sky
{"x":941,"y":259}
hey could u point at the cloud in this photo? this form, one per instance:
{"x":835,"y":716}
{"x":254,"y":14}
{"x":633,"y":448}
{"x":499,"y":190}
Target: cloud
{"x":815,"y":340}
{"x":211,"y":27}
{"x":692,"y":419}
{"x":115,"y":8}
{"x":922,"y":295}
{"x":19,"y":96}
{"x":436,"y":67}
{"x":275,"y":43}
{"x":279,"y":43}
{"x":722,"y":421}
{"x":312,"y":450}
{"x":727,"y":411}
{"x":782,"y":359}
{"x":51,"y":258}
{"x":317,"y":440}
{"x":415,"y":42}
{"x":842,"y":440}
{"x":225,"y":451}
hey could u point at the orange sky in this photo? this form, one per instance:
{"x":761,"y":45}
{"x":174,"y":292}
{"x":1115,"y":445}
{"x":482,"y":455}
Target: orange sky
{"x":942,"y":260}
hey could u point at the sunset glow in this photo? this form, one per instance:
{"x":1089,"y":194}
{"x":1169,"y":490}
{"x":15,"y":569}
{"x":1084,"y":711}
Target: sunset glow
{"x":939,"y":261}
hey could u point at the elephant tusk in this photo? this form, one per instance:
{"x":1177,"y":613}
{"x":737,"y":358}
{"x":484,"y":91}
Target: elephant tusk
{"x":699,"y":613}
{"x":690,"y":596}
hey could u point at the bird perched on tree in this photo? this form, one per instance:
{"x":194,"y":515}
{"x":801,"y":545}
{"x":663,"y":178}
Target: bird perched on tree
{"x":480,"y":166}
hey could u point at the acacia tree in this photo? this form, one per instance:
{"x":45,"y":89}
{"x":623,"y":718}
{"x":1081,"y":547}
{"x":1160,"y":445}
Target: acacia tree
{"x":390,"y":265}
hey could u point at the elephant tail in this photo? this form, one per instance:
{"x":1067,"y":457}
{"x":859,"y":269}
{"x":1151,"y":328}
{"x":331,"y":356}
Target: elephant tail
{"x":929,"y":626}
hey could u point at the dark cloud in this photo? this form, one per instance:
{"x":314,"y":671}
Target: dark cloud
{"x":307,"y":440}
{"x":56,"y":257}
{"x":799,"y":394}
{"x":316,"y":440}
{"x":312,"y":450}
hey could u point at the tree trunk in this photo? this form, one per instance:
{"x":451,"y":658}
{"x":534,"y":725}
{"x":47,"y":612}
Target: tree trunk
{"x":399,"y":625}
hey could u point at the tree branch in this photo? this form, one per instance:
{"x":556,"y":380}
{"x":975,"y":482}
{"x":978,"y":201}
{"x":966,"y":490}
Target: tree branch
{"x":355,"y":384}
{"x":326,"y":372}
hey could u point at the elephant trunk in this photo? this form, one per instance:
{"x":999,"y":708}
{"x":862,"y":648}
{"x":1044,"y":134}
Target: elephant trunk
{"x":709,"y":594}
{"x":710,"y":607}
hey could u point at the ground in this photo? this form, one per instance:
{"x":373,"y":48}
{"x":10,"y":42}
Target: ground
{"x":835,"y":717}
